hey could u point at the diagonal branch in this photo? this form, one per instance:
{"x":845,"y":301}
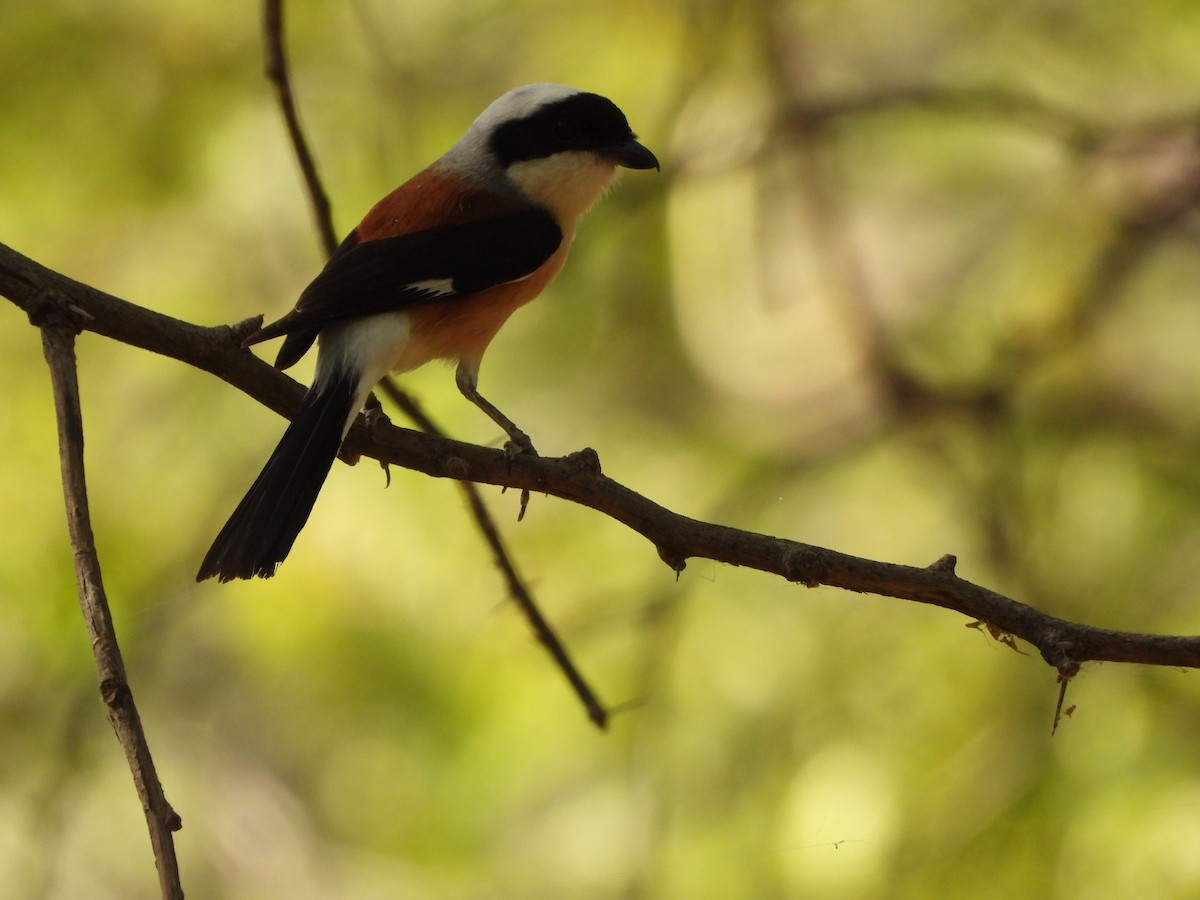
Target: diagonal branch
{"x":279,"y":75}
{"x":58,"y":344}
{"x":577,"y":478}
{"x":518,"y":591}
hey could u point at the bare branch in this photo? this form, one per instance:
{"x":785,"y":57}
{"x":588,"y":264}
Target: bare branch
{"x":577,"y":477}
{"x":280,"y":76}
{"x":517,"y":589}
{"x":277,"y":74}
{"x":58,"y":343}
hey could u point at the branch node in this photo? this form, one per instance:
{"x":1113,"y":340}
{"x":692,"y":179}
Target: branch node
{"x":241,"y":331}
{"x":584,"y":462}
{"x":672,"y":557}
{"x":944,"y":563}
{"x":54,"y":309}
{"x":802,"y":566}
{"x":454,"y":466}
{"x":114,"y":692}
{"x":1065,"y":673}
{"x":1063,"y":655}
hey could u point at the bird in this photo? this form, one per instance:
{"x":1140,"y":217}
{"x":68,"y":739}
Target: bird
{"x":432,"y":271}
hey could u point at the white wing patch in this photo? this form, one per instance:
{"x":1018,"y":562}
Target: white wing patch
{"x":439,"y":287}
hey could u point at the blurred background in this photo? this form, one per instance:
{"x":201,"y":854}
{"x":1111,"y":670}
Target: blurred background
{"x":917,"y":278}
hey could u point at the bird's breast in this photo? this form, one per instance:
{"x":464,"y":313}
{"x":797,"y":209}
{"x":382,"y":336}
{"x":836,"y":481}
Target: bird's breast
{"x":460,"y":328}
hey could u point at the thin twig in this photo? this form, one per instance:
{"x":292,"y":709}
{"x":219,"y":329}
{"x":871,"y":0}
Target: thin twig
{"x":58,"y":344}
{"x":1063,"y":680}
{"x":277,"y":73}
{"x":517,"y":589}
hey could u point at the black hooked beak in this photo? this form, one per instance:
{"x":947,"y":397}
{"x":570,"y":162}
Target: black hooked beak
{"x":632,"y":155}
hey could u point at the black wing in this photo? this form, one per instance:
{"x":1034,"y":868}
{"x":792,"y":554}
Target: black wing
{"x":392,"y":273}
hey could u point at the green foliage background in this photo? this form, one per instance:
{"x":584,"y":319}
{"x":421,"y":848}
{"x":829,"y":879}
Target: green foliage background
{"x":954,"y":322}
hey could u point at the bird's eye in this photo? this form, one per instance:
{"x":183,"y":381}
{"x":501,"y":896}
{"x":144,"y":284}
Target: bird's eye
{"x":567,"y":132}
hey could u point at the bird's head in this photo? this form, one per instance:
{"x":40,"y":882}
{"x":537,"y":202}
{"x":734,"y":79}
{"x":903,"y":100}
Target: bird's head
{"x":556,"y":146}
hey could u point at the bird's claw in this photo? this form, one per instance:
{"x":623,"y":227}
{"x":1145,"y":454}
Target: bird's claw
{"x":519,"y":445}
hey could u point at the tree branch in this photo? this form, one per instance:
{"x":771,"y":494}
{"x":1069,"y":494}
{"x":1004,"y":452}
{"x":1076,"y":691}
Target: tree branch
{"x":58,"y":343}
{"x":518,"y":591}
{"x":578,"y":478}
{"x":279,"y":75}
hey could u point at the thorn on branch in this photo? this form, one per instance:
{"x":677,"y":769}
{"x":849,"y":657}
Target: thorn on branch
{"x":673,"y":558}
{"x":54,"y":309}
{"x":1061,"y":655}
{"x":1064,"y":678}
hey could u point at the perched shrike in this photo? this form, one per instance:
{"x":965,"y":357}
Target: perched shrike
{"x":432,"y":272}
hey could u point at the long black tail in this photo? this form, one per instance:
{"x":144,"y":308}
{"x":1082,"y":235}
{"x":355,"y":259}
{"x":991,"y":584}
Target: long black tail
{"x":259,"y":534}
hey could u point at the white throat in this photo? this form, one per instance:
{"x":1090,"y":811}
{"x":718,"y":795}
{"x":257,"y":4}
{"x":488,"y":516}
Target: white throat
{"x":567,"y":183}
